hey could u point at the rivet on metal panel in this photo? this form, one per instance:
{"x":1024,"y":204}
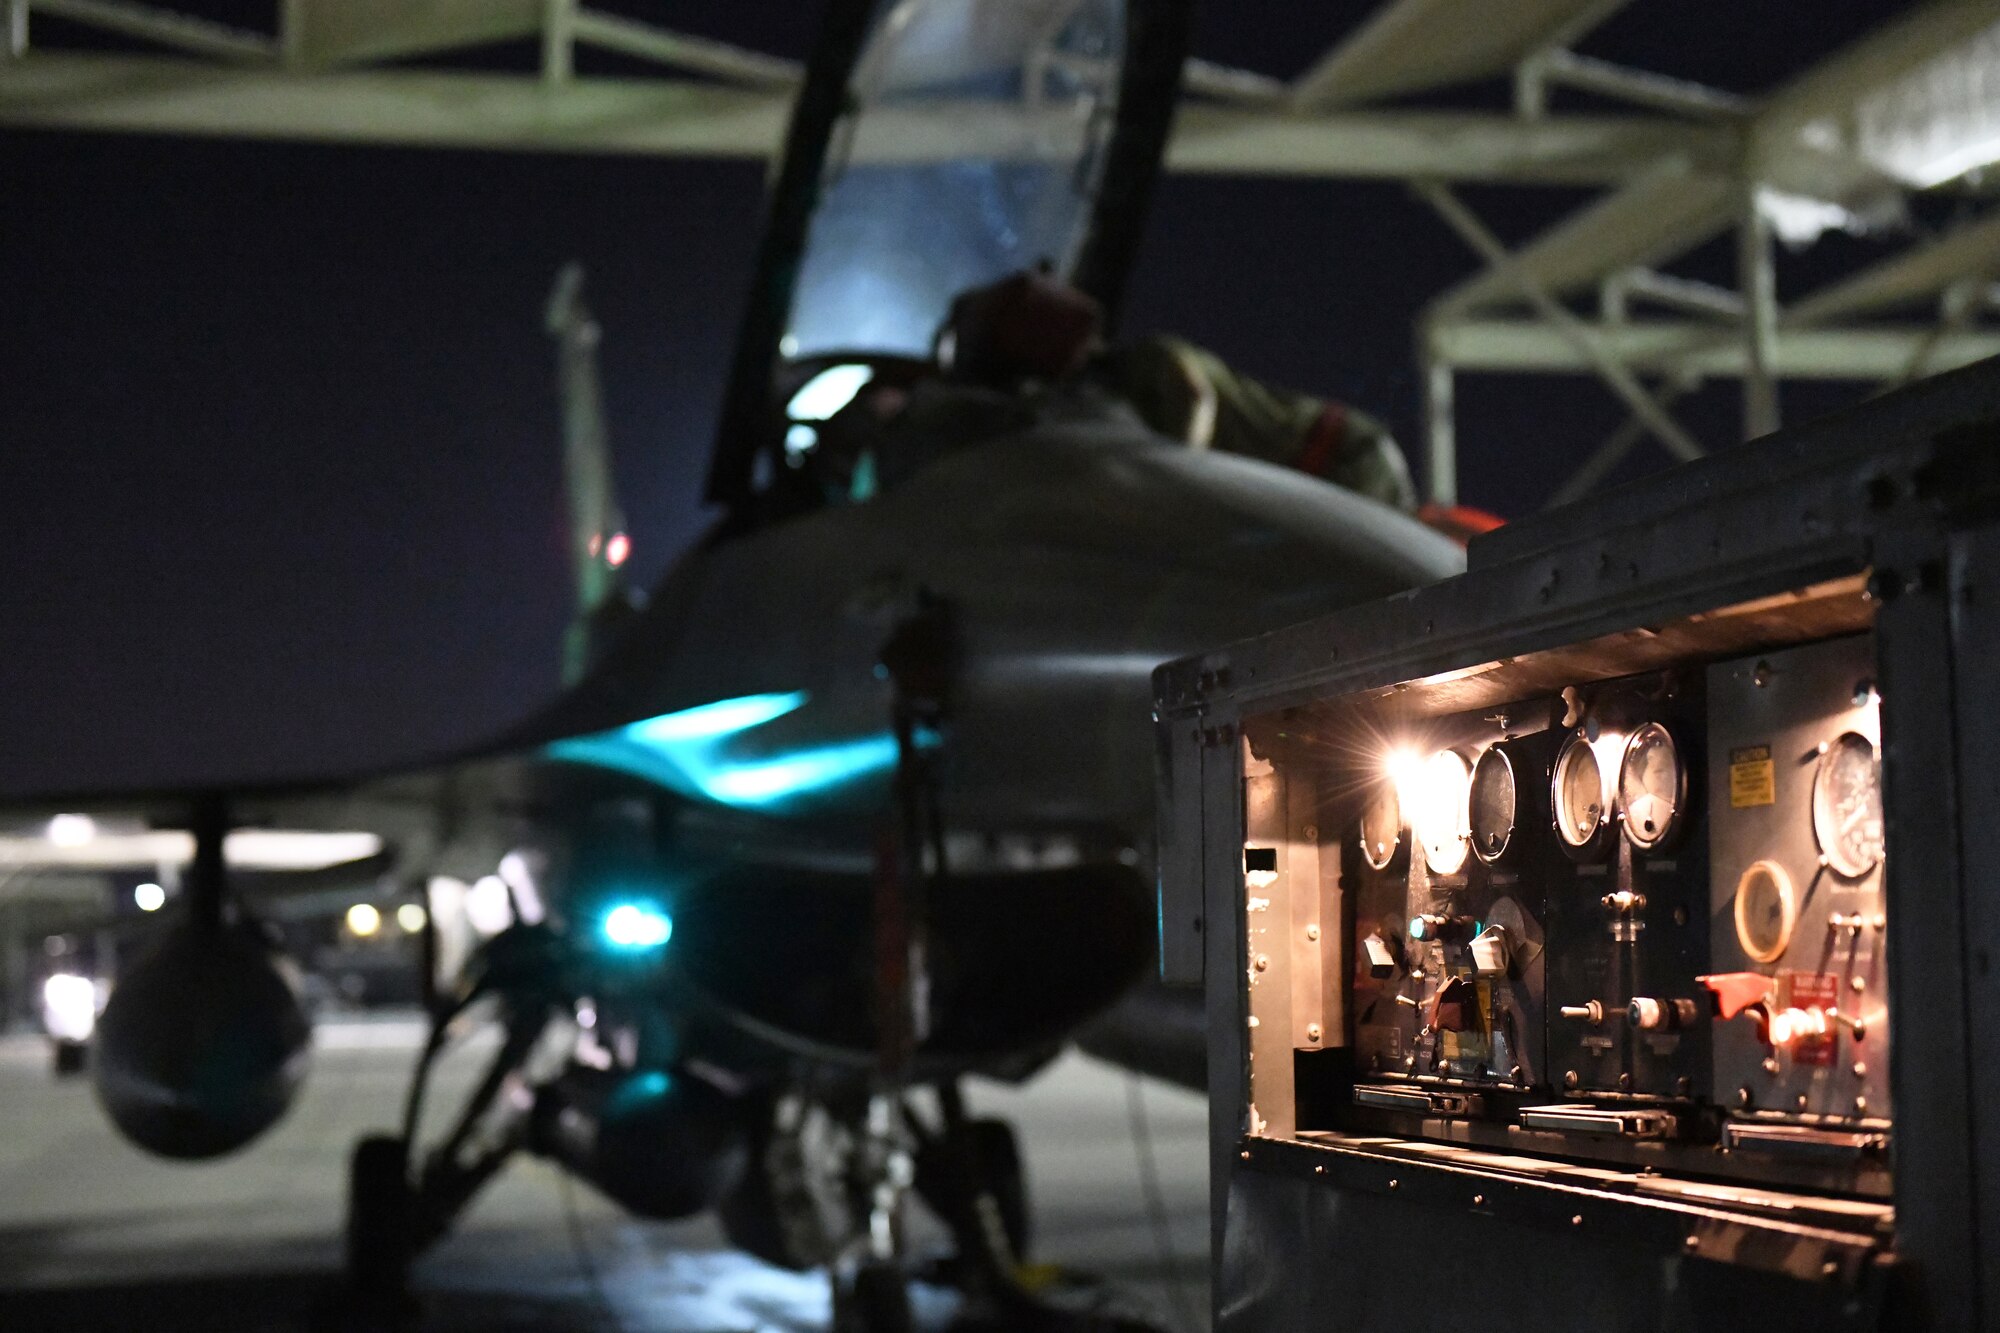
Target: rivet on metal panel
{"x":1829,"y":1268}
{"x":1312,"y":1032}
{"x":1771,"y":1065}
{"x":1570,"y":1079}
{"x":1263,"y":962}
{"x":1319,"y":1170}
{"x":1860,"y":1105}
{"x":1310,"y":832}
{"x":1478,"y":1200}
{"x":1860,"y":1069}
{"x":1395,"y":1184}
{"x":1576,"y":1220}
{"x":1312,"y":932}
{"x":1745,"y":1098}
{"x":1692,"y":1242}
{"x":1246,"y":1154}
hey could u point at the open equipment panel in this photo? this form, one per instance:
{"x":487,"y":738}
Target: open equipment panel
{"x":1603,"y":938}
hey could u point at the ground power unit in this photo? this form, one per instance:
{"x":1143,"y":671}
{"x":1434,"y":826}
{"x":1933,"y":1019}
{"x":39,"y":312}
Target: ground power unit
{"x":1606,"y":938}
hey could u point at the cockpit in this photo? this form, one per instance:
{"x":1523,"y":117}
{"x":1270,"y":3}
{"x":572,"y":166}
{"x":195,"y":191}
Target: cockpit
{"x":952,"y":143}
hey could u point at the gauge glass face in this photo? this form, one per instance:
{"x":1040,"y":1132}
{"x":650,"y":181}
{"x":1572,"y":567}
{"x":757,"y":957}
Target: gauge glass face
{"x":1579,"y":793}
{"x":1650,"y":783}
{"x":1492,"y":804}
{"x":1382,"y":828}
{"x":1847,"y":805}
{"x":1766,"y":910}
{"x":1438,"y":821}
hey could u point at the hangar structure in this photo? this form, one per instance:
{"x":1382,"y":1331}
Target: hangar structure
{"x":1674,"y":166}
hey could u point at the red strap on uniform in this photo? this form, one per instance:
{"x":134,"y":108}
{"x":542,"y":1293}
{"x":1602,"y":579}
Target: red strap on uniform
{"x":1323,"y":440}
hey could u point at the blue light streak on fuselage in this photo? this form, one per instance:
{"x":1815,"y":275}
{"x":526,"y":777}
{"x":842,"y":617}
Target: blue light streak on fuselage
{"x":687,"y":752}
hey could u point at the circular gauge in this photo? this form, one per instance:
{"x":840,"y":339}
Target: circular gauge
{"x":1766,"y":911}
{"x":1382,"y":828}
{"x":1651,"y":783}
{"x":1578,"y":795}
{"x":1438,"y":821}
{"x":1492,"y":805}
{"x":1847,"y":805}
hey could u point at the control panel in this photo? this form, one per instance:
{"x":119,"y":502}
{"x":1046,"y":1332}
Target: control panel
{"x":1627,"y":918}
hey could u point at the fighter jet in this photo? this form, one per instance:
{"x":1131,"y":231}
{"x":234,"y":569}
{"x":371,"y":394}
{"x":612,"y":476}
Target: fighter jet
{"x":858,"y":804}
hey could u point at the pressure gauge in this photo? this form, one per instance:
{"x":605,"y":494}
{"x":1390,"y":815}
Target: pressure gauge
{"x":1493,"y":807}
{"x":1438,"y":821}
{"x":1651,"y":786}
{"x":1847,"y":805}
{"x":1577,"y":797}
{"x":1766,"y":910}
{"x":1382,"y":828}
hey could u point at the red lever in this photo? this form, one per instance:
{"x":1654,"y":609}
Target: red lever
{"x":1737,"y":991}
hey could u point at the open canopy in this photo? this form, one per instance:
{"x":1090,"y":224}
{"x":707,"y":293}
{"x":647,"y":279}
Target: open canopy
{"x":938,"y":145}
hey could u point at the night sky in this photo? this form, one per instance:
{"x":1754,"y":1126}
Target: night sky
{"x":279,"y":458}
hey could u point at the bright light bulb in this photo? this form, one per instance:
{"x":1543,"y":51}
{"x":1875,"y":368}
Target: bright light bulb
{"x":363,"y":919}
{"x":632,"y":926}
{"x":149,"y":897}
{"x":71,"y":830}
{"x":410,"y":916}
{"x":69,"y":1006}
{"x":1433,"y":795}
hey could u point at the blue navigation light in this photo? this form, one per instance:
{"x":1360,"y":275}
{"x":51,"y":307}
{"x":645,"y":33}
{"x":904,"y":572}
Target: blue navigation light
{"x":688,"y":751}
{"x":637,"y":926}
{"x":760,"y":781}
{"x":725,"y":717}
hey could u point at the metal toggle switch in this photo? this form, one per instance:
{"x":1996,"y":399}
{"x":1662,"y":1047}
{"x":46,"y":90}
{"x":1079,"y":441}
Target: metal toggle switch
{"x":1492,"y":950}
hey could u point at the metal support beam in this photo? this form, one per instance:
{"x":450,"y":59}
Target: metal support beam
{"x":1756,"y":279}
{"x":1689,"y":347}
{"x":1611,"y":453}
{"x":1573,"y":330}
{"x":148,"y":23}
{"x":1440,"y":432}
{"x":697,"y":55}
{"x":558,"y":41}
{"x":1664,"y":289}
{"x":1660,"y":92}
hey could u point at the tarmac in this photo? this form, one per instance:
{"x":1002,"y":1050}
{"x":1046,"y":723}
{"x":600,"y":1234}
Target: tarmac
{"x":95,"y":1234}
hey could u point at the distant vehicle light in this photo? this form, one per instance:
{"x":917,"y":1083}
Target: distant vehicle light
{"x":489,"y":908}
{"x":411,"y":917}
{"x":617,"y":550}
{"x":149,"y":897}
{"x":72,"y":830}
{"x":363,"y":919}
{"x":69,"y":1006}
{"x":637,"y":926}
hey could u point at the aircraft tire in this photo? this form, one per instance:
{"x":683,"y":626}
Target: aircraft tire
{"x":874,"y":1299}
{"x":998,"y":1153}
{"x":71,"y":1057}
{"x":379,"y":1218}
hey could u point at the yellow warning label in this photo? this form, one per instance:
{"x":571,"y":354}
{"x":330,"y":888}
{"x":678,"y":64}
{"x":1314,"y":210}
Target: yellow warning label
{"x":1753,"y":778}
